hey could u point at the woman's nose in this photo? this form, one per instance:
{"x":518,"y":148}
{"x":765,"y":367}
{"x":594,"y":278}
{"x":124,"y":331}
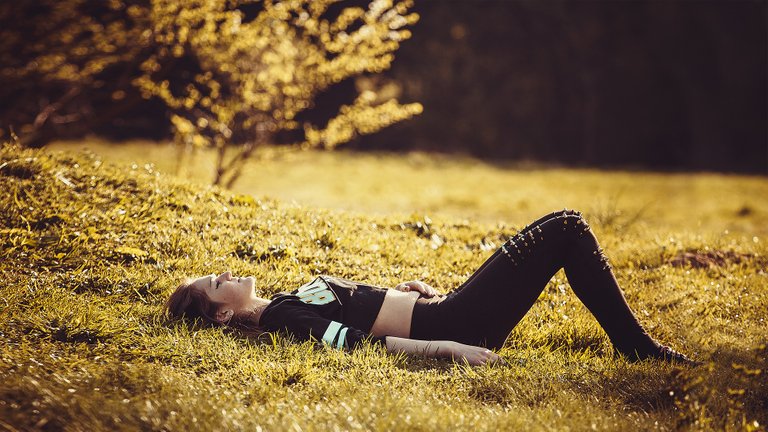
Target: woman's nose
{"x":226,"y":275}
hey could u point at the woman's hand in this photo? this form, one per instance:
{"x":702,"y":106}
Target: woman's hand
{"x":474,"y":355}
{"x":418,"y":286}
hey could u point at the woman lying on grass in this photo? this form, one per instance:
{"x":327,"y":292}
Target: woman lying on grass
{"x":414,"y":318}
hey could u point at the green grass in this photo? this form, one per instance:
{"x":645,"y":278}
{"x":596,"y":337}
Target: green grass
{"x":91,"y":249}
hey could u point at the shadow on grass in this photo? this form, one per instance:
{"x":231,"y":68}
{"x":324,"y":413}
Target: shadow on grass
{"x":730,"y":391}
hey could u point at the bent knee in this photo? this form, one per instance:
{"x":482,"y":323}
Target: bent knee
{"x":571,"y":212}
{"x":573,"y":221}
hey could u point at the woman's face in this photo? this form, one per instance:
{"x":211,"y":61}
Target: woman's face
{"x":235,"y":293}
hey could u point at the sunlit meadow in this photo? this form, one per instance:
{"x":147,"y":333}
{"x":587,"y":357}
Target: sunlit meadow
{"x":94,"y":242}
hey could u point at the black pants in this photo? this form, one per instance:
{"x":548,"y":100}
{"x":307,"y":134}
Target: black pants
{"x":484,"y":309}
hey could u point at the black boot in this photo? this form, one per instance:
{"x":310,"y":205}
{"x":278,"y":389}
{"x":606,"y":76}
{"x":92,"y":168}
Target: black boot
{"x":662,"y":352}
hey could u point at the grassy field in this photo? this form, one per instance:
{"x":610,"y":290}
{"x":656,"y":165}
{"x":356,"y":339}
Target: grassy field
{"x":92,"y":248}
{"x":468,"y":189}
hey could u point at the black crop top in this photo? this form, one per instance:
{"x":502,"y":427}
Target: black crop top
{"x":336,"y":311}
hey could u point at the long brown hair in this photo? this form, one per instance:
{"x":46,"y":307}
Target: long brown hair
{"x":190,"y":303}
{"x":187,"y":302}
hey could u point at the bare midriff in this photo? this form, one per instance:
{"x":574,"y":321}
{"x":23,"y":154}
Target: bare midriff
{"x":394,"y":318}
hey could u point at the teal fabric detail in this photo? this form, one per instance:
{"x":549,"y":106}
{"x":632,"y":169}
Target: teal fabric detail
{"x":331,"y":332}
{"x":342,"y":338}
{"x":316,"y":292}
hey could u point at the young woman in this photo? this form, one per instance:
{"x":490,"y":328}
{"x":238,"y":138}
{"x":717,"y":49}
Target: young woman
{"x":465,"y":325}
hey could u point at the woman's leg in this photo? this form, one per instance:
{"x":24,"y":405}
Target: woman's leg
{"x":497,"y":296}
{"x":524,"y":230}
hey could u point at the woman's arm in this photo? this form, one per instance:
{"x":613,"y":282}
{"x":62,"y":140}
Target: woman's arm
{"x":473,"y":355}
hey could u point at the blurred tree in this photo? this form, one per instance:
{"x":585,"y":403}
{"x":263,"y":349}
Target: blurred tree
{"x":67,"y":66}
{"x":255,"y":76}
{"x":229,"y":72}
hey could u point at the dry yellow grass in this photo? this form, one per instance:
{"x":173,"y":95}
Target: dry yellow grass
{"x":384,"y":183}
{"x":91,"y":250}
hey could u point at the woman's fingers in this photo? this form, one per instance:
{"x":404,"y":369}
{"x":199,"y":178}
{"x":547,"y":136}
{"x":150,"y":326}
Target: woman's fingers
{"x":492,"y":357}
{"x":421,"y":287}
{"x":424,"y":289}
{"x":487,"y":356}
{"x":405,"y":287}
{"x":410,"y":286}
{"x":477,"y":356}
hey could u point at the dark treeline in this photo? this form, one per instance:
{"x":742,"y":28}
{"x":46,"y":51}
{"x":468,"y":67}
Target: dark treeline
{"x":649,"y":84}
{"x":662,"y":85}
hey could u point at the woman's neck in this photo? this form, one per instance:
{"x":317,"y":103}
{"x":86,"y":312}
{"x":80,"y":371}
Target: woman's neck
{"x":256,"y":307}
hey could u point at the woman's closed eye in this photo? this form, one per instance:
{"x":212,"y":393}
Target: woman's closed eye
{"x":215,"y":281}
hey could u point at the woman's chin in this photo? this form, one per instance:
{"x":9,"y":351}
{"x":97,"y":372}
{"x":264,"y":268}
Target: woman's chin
{"x":251,"y":281}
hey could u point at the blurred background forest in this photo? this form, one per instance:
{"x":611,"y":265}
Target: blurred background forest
{"x":678,"y":85}
{"x":657,"y":84}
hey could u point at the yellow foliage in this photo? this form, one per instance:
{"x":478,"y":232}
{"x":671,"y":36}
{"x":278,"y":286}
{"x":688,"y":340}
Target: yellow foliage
{"x":222,"y":75}
{"x":75,"y":37}
{"x":277,"y":63}
{"x":360,"y":118}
